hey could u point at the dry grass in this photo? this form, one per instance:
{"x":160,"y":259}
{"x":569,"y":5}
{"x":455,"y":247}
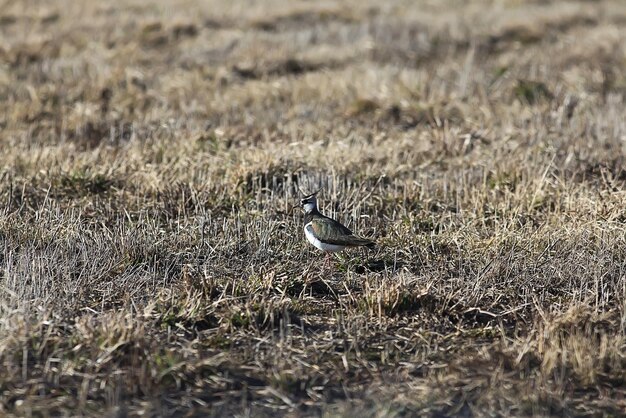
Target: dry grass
{"x":151,"y":261}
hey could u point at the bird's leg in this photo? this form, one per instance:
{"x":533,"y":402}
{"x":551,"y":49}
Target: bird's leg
{"x":328,"y":260}
{"x":331,"y":263}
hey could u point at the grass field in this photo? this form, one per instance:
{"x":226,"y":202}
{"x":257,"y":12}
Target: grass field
{"x":152,"y":262}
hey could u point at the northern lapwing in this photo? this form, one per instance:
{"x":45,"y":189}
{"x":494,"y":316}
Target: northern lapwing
{"x":326,"y":233}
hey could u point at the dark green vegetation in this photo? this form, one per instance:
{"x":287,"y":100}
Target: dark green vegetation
{"x":152,"y":263}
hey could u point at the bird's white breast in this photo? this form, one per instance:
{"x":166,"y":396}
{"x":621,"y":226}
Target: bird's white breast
{"x":329,"y":248}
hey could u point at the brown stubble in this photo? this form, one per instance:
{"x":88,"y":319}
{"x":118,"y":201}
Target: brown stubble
{"x":152,"y":154}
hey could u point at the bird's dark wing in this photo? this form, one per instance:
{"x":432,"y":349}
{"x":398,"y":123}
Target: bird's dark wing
{"x":330,"y":231}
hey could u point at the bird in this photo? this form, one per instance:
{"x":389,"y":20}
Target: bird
{"x":326,"y":233}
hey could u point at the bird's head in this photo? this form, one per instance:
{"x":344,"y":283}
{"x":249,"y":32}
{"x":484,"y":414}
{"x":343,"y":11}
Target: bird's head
{"x":309,"y":203}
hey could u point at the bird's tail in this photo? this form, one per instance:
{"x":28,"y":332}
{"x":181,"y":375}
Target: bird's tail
{"x":364,"y":242}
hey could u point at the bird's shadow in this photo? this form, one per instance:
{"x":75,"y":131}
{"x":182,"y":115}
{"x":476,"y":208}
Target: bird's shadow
{"x":378,"y":266}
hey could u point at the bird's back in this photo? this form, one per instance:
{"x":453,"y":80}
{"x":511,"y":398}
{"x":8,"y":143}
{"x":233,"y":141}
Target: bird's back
{"x":331,"y":231}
